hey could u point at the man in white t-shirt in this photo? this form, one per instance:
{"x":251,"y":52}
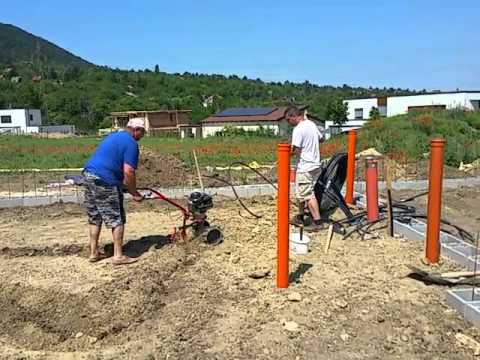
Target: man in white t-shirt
{"x":306,"y":146}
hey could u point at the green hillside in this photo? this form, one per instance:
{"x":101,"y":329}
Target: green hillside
{"x":69,"y":91}
{"x":18,"y":46}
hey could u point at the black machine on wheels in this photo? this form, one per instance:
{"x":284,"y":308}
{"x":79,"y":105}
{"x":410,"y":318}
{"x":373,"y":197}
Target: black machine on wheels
{"x":328,"y":191}
{"x":198,"y":204}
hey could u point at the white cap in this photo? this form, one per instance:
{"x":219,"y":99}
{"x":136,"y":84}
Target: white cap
{"x":136,"y":123}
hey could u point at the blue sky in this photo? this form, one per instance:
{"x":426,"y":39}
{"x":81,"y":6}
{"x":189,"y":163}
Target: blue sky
{"x":401,"y":43}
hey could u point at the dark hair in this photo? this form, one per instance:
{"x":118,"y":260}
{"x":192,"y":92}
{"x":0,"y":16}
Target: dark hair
{"x":292,"y":111}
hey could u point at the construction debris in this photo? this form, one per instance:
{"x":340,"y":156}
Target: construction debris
{"x":449,"y":279}
{"x":291,"y":326}
{"x":469,"y":167}
{"x":368,"y":152}
{"x":259,"y":274}
{"x":294,"y":297}
{"x":252,"y":165}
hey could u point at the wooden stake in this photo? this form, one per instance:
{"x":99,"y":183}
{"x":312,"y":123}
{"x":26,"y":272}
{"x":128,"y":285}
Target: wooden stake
{"x":329,"y":238}
{"x":389,"y":198}
{"x":458,"y":274}
{"x":198,"y":171}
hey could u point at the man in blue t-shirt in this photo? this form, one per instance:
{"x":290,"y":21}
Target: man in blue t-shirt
{"x":110,"y":168}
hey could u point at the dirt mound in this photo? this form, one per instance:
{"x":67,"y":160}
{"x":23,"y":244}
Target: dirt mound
{"x":161,"y":170}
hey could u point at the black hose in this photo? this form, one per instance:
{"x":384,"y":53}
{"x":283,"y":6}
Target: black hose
{"x":400,"y":209}
{"x":464,"y":234}
{"x":236,"y":195}
{"x":229,"y":183}
{"x":252,"y":169}
{"x":413,"y":197}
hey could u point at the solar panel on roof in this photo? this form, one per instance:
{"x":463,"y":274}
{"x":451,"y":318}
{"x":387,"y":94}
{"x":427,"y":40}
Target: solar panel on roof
{"x":246,"y":111}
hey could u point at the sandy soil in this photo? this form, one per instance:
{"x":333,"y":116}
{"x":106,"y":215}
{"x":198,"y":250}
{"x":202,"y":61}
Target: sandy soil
{"x":192,"y":301}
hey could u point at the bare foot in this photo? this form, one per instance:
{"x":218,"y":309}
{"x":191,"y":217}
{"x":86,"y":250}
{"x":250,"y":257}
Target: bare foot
{"x":97,"y":257}
{"x":124,"y":260}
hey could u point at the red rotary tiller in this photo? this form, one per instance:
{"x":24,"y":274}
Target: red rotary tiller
{"x":194,"y":217}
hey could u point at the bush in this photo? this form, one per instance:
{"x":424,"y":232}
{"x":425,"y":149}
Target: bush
{"x":233,"y":131}
{"x":410,"y":135}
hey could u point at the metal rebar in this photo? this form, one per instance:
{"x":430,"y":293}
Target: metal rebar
{"x":59,"y":186}
{"x":46,"y":183}
{"x":475,"y":269}
{"x":9,"y":185}
{"x":34,"y":174}
{"x":76,"y":192}
{"x":35,"y":183}
{"x":23,"y":184}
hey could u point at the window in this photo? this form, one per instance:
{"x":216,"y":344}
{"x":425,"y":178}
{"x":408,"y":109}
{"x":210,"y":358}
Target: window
{"x":382,"y":110}
{"x":358,"y":113}
{"x":30,"y":117}
{"x":476,"y":105}
{"x":5,"y":119}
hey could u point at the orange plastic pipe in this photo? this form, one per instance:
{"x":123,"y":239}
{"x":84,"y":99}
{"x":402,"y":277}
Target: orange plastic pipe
{"x":352,"y":142}
{"x":371,"y":176}
{"x":434,"y":211}
{"x":283,"y":205}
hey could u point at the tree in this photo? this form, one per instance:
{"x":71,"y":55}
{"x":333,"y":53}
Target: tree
{"x":52,"y":73}
{"x":85,"y":95}
{"x":374,"y":113}
{"x":72,"y":73}
{"x":29,"y":97}
{"x":337,"y":111}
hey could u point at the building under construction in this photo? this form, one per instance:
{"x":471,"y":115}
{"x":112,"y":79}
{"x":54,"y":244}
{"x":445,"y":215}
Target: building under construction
{"x":160,"y":122}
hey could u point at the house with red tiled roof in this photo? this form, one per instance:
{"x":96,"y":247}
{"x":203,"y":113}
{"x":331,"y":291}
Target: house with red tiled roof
{"x":249,"y":119}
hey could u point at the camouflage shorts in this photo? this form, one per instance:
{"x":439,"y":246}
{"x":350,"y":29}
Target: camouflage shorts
{"x":104,"y":202}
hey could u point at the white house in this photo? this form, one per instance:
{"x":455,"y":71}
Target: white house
{"x":20,"y":121}
{"x":359,"y":109}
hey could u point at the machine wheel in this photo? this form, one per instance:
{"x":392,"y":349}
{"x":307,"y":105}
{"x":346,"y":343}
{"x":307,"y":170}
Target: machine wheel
{"x":208,"y":234}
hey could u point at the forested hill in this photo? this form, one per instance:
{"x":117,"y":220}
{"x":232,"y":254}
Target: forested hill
{"x":35,"y":73}
{"x":18,"y":46}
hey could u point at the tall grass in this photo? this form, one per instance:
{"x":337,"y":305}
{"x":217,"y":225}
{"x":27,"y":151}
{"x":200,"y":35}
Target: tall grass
{"x":22,"y":152}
